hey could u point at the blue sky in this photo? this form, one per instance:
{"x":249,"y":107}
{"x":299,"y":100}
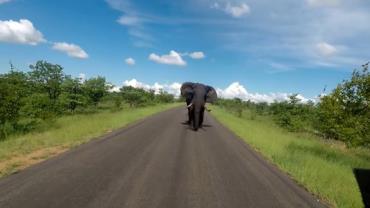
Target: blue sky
{"x":255,"y":49}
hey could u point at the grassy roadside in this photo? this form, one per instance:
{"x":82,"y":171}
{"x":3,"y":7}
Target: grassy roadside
{"x":69,"y":131}
{"x":325,"y":169}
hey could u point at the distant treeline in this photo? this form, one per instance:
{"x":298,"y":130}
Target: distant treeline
{"x":343,"y":115}
{"x":30,"y":100}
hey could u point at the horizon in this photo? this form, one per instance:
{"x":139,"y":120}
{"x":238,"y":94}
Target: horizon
{"x":247,"y":49}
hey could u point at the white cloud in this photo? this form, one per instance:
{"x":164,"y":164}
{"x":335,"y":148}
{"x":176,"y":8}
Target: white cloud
{"x":237,"y":10}
{"x":130,"y":61}
{"x":22,"y":32}
{"x":236,"y":90}
{"x":321,"y":3}
{"x":82,"y":77}
{"x":173,"y":88}
{"x":72,"y":50}
{"x":173,"y":58}
{"x":197,"y":55}
{"x":136,"y":84}
{"x":114,"y":89}
{"x":326,"y":49}
{"x":128,"y":20}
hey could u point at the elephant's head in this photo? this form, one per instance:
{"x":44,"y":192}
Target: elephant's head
{"x":196,"y":96}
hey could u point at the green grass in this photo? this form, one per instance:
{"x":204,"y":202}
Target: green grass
{"x":324,"y":168}
{"x":67,"y":132}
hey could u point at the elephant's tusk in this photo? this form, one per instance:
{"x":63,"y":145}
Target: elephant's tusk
{"x":189,"y":105}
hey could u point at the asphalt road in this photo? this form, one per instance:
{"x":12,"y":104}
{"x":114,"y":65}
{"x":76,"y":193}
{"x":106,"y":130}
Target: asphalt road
{"x":157,"y":162}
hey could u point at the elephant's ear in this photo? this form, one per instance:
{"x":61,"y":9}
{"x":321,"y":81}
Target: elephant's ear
{"x":211,"y":94}
{"x":187,"y":89}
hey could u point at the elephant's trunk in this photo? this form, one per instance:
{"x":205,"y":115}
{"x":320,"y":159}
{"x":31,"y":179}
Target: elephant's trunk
{"x":197,"y":114}
{"x":196,"y":121}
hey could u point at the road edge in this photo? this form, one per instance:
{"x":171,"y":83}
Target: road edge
{"x":65,"y":150}
{"x":271,"y":165}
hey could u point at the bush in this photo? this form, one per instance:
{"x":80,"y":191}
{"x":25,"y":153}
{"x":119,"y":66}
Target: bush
{"x":95,"y":89}
{"x":235,"y":106}
{"x":293,"y":114}
{"x":164,"y":97}
{"x":344,"y":114}
{"x":73,"y":94}
{"x":133,"y":96}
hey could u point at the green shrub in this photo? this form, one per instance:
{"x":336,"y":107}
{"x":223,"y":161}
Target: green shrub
{"x":164,"y":97}
{"x":344,"y":114}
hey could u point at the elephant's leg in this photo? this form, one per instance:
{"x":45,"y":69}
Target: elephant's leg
{"x":189,"y":116}
{"x":201,"y":117}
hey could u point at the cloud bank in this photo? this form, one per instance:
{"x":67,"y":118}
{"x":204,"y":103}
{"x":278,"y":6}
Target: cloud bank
{"x":234,"y":90}
{"x":173,"y":88}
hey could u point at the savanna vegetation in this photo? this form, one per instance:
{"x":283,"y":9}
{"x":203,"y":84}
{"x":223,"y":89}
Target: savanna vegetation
{"x":318,"y":144}
{"x":343,"y":114}
{"x":45,"y":111}
{"x":33,"y":100}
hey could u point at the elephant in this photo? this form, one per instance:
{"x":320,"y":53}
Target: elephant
{"x":196,"y":96}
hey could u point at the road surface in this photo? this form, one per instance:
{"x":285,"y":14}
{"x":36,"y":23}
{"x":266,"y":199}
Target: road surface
{"x":157,"y":162}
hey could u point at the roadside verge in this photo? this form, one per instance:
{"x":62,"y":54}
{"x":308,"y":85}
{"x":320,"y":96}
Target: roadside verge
{"x":17,"y":153}
{"x":323,"y":168}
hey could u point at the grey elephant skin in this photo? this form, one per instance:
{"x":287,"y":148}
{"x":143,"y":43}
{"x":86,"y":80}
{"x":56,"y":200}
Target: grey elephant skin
{"x":196,"y":96}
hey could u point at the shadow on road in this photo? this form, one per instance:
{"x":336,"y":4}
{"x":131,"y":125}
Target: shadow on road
{"x":204,"y":126}
{"x":363,"y":180}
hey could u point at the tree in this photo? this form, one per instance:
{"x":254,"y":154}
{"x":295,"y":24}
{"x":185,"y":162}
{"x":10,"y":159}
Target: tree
{"x":133,"y":96}
{"x":72,"y":94}
{"x":48,"y":78}
{"x":293,"y":114}
{"x":164,"y":97}
{"x":13,"y":88}
{"x":344,"y":114}
{"x":96,"y":88}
